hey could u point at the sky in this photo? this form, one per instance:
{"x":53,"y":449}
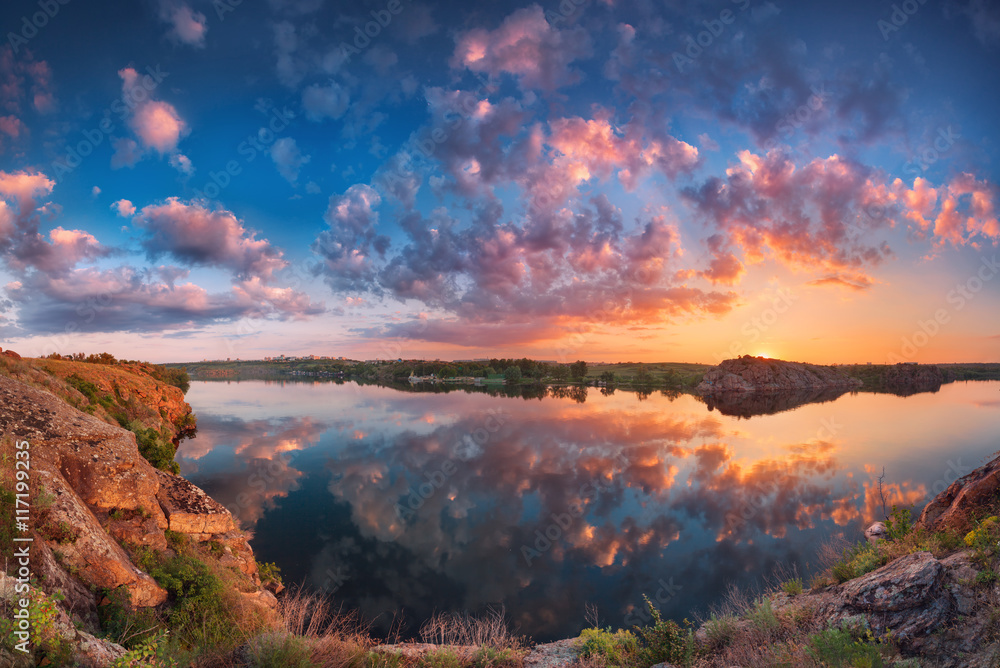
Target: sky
{"x":586,"y":179}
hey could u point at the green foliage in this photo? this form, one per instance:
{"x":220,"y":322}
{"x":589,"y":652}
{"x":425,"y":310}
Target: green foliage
{"x":762,"y":616}
{"x":862,"y":558}
{"x":154,"y":652}
{"x":61,"y":532}
{"x":664,"y":640}
{"x":792,"y":587}
{"x":512,"y":374}
{"x":156,"y":448}
{"x":720,"y":631}
{"x":377,"y":660}
{"x":899,"y":524}
{"x":490,"y":657}
{"x":578,"y":369}
{"x":177,"y":377}
{"x":440,"y":658}
{"x":838,"y":648}
{"x":269,"y":572}
{"x":617,"y":649}
{"x":279,"y":650}
{"x":47,"y":646}
{"x":986,"y":578}
{"x":130,"y":627}
{"x":201,"y":614}
{"x":8,"y":526}
{"x":176,"y":540}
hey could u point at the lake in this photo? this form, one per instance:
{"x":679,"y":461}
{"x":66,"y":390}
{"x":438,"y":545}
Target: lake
{"x":403,"y":502}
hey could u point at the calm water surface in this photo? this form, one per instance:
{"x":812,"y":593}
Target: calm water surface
{"x":414,"y":502}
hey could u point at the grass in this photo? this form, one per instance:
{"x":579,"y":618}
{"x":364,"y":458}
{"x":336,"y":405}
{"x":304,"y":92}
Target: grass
{"x":792,"y":587}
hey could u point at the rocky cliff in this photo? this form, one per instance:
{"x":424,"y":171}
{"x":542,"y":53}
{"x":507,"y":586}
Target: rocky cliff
{"x":750,"y":374}
{"x":96,"y":501}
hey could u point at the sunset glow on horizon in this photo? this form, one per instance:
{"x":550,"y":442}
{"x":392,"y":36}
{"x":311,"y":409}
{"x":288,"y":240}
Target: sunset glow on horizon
{"x":680,"y":181}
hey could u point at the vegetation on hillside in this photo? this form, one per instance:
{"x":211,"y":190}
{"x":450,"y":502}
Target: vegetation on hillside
{"x":68,"y":377}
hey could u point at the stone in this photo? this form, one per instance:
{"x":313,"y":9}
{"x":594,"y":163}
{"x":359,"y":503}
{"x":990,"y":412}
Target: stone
{"x":954,"y":507}
{"x":904,"y":583}
{"x":876,"y":532}
{"x":190,"y":510}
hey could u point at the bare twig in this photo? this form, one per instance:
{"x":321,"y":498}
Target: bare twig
{"x":882,"y":494}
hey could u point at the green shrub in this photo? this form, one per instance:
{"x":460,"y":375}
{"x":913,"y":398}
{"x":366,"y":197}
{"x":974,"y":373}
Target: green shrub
{"x":154,"y":652}
{"x":440,"y":658}
{"x":862,"y":558}
{"x":664,"y":640}
{"x":124,"y":624}
{"x":837,"y":648}
{"x":202,"y":611}
{"x":8,"y":526}
{"x":268,"y":573}
{"x":490,"y":657}
{"x":720,"y":631}
{"x":279,"y":650}
{"x":155,"y":448}
{"x":899,"y":524}
{"x":792,"y":587}
{"x":377,"y":660}
{"x":762,"y":616}
{"x":618,"y":649}
{"x":176,"y":540}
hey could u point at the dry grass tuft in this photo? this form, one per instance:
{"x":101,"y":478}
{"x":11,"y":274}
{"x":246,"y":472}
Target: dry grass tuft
{"x":489,"y":630}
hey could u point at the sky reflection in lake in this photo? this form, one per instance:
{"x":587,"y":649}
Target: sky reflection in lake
{"x":418,"y":502}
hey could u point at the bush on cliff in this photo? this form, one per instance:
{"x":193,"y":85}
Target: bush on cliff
{"x":156,"y":448}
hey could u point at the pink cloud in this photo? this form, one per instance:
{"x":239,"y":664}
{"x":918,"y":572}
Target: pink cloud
{"x":158,"y":126}
{"x":198,"y":235}
{"x":725,"y":269}
{"x":124,"y":208}
{"x":156,"y":123}
{"x":526,"y":46}
{"x":769,"y":207}
{"x":24,"y":187}
{"x":187,"y":25}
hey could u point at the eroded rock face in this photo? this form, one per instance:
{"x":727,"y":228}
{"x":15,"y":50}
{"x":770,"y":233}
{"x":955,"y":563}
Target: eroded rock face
{"x":905,"y":595}
{"x":88,"y":469}
{"x":751,"y":374}
{"x":953,"y":508}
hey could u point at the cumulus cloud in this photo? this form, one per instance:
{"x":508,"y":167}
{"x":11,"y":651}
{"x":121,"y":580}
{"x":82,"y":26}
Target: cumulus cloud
{"x":156,"y":124}
{"x":124,"y":208}
{"x":182,"y":164}
{"x":51,"y":285}
{"x":186,"y":25}
{"x":805,"y":218}
{"x":288,"y":159}
{"x":23,"y":246}
{"x":197,"y":235}
{"x":526,"y":46}
{"x":348,"y":247}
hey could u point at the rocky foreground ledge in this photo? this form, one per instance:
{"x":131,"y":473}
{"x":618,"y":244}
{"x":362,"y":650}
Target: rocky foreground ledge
{"x":92,"y":494}
{"x":752,"y":374}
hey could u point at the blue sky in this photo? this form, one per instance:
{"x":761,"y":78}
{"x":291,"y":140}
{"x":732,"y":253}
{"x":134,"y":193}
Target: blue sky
{"x":598,"y":179}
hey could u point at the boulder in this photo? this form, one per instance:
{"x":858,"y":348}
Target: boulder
{"x":190,"y":510}
{"x":954,"y":507}
{"x":876,"y":532}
